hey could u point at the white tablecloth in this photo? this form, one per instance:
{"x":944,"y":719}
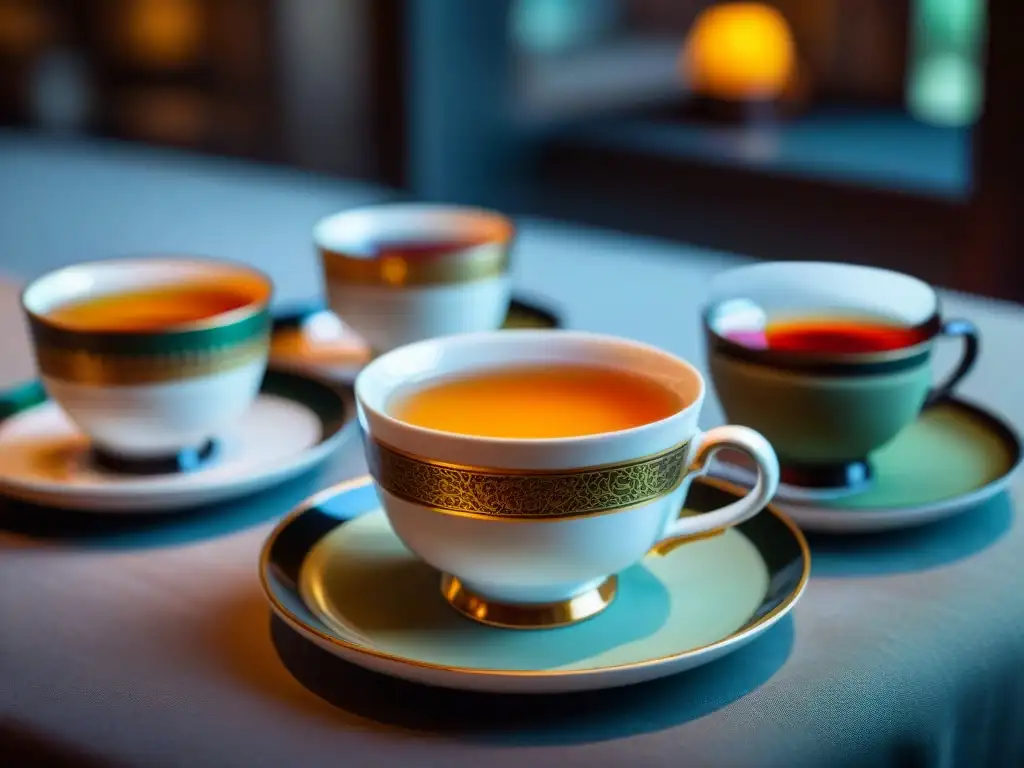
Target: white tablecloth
{"x":147,"y":642}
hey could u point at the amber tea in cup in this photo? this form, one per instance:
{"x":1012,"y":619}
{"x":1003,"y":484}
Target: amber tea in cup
{"x":534,"y":402}
{"x":150,"y":309}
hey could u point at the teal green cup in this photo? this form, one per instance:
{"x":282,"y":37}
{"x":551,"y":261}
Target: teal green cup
{"x":826,"y":412}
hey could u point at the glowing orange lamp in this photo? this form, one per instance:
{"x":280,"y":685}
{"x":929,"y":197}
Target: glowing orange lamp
{"x":740,"y":52}
{"x":162,"y":33}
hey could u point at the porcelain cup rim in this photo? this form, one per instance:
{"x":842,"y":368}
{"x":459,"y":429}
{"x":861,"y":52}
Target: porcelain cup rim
{"x":339,"y":232}
{"x":930,"y":322}
{"x":364,"y":382}
{"x":257,"y":302}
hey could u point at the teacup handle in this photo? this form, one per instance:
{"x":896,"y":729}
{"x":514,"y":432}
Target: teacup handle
{"x":966,"y":330}
{"x":703,"y":447}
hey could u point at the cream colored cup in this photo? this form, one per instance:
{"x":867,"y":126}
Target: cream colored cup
{"x":531,"y":532}
{"x":395,"y":300}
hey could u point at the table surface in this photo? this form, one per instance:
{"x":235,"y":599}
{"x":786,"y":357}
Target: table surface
{"x":147,"y":641}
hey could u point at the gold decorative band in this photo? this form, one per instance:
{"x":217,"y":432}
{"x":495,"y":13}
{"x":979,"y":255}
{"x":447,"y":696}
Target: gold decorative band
{"x":525,"y":494}
{"x":397,"y":271}
{"x":109,"y":369}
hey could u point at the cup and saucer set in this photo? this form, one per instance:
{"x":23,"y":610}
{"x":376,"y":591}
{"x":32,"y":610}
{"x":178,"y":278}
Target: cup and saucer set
{"x":400,"y":273}
{"x":551,"y":535}
{"x":539,"y":515}
{"x":833,"y":364}
{"x":154,"y":393}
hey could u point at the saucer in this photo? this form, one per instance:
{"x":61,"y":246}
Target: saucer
{"x":335,"y":572}
{"x":953,"y":458}
{"x":316,"y":340}
{"x":294,"y":423}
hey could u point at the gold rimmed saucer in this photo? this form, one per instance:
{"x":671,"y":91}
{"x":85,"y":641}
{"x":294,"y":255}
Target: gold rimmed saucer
{"x":335,"y":572}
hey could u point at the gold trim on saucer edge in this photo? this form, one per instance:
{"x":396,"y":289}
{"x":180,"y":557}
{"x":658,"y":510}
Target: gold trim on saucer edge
{"x":298,"y":623}
{"x":525,"y":494}
{"x":525,"y":615}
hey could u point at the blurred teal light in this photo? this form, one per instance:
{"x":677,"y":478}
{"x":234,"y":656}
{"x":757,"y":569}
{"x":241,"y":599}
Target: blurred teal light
{"x":944,"y":82}
{"x":560,"y":26}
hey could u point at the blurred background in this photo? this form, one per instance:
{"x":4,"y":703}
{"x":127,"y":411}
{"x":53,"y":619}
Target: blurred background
{"x":872,"y":131}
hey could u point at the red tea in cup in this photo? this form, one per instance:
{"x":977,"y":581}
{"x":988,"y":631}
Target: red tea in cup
{"x":840,"y":336}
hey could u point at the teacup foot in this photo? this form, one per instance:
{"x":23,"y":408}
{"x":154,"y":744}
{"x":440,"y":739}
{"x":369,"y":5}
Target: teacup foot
{"x":528,"y":615}
{"x":183,"y":461}
{"x":851,"y":475}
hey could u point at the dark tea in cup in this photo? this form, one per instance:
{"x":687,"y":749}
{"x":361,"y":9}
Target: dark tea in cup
{"x":832,"y":335}
{"x":412,"y":248}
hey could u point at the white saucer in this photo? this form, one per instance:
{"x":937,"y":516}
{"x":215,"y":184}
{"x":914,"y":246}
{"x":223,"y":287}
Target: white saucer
{"x":335,"y":572}
{"x":295,"y":422}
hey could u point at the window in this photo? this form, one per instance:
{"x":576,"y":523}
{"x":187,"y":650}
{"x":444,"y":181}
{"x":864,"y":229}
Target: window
{"x":864,"y":92}
{"x":871,"y":131}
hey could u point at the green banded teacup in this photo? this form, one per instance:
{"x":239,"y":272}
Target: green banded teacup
{"x":151,"y":357}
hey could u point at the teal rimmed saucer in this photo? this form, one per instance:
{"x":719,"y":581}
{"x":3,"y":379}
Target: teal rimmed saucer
{"x":295,"y":422}
{"x":335,"y":572}
{"x":955,"y":457}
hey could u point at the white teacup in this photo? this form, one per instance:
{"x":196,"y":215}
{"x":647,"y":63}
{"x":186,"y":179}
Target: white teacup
{"x":530,"y":532}
{"x":146,"y":394}
{"x":391,"y":296}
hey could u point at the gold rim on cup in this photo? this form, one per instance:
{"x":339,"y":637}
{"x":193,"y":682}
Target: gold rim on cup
{"x":460,"y":266}
{"x":510,"y":495}
{"x":487,"y":258}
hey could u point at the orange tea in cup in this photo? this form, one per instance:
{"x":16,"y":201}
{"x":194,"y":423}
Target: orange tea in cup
{"x":532,"y":402}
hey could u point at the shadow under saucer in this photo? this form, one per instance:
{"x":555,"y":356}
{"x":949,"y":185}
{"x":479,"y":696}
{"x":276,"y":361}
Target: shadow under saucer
{"x":125,"y":531}
{"x":528,"y":720}
{"x":913,"y":549}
